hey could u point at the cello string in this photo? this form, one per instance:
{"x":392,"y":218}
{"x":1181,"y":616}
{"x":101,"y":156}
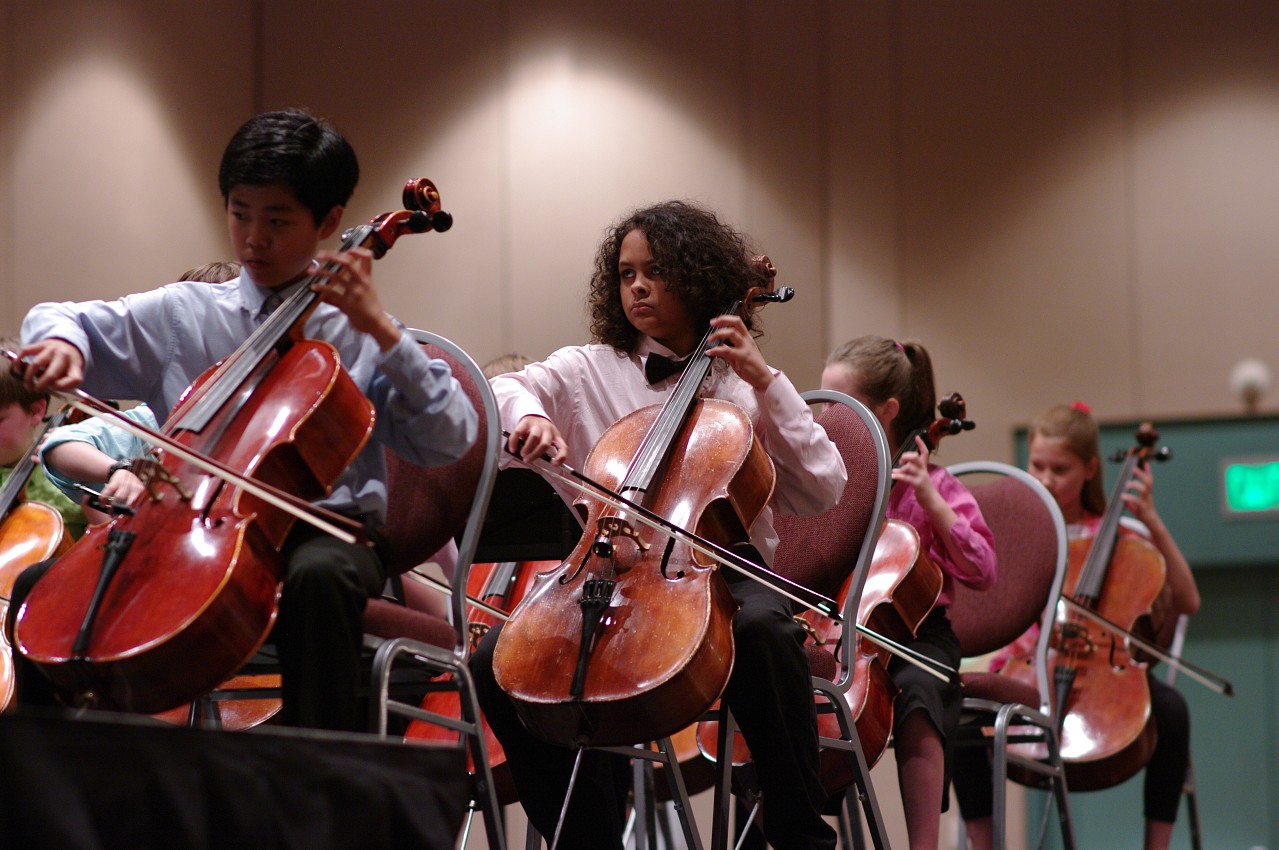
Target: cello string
{"x":318,"y":516}
{"x":819,"y":603}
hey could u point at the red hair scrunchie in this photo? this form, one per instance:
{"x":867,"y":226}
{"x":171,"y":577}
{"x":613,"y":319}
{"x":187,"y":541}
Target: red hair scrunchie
{"x":1082,"y":407}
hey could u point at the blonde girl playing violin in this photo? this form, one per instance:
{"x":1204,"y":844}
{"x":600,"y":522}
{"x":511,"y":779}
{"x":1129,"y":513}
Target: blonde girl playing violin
{"x":1064,"y":455}
{"x":895,"y":380}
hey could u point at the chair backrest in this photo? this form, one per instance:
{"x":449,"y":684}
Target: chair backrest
{"x":822,"y":552}
{"x":429,"y":505}
{"x":1030,"y":548}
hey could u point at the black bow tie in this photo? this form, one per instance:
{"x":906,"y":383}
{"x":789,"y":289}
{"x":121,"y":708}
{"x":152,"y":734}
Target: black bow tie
{"x":659,"y":368}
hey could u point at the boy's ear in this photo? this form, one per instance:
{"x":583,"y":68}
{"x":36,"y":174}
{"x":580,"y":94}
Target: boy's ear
{"x":331,"y":221}
{"x":39,"y":409}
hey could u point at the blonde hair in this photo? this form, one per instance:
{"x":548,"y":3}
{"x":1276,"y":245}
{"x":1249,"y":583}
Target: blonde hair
{"x":1075,"y":425}
{"x":215,"y":272}
{"x":888,"y":369}
{"x":504,"y":363}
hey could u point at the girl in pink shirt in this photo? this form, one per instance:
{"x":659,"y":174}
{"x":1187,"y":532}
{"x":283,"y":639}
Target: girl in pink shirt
{"x":895,"y":380}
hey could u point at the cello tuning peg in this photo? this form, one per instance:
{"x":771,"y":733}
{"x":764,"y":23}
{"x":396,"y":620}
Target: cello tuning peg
{"x":441,"y":221}
{"x":1162,"y":454}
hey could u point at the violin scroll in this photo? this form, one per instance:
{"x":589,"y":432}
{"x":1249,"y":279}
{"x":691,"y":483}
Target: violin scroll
{"x":769,"y":294}
{"x":1146,"y":436}
{"x":422,"y":214}
{"x":421,"y":195}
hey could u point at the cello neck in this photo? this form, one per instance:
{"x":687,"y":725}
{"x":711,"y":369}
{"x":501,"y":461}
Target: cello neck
{"x":1093,"y":575}
{"x":265,"y":339}
{"x":653,"y":450}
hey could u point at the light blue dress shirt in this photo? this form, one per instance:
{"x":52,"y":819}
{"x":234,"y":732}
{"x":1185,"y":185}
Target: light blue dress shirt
{"x":101,"y":433}
{"x":153,"y":345}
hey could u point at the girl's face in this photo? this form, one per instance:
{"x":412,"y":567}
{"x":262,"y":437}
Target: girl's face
{"x":1062,"y":471}
{"x":653,"y":308}
{"x":843,"y":378}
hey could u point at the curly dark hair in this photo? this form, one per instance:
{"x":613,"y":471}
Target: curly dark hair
{"x":704,"y":261}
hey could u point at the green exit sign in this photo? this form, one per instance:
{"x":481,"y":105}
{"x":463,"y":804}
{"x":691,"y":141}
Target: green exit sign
{"x":1251,"y":486}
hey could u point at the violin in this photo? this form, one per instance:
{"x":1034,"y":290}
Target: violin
{"x":1101,"y":693}
{"x":630,"y":638}
{"x":901,"y":588}
{"x":174,"y":594}
{"x":30,"y":532}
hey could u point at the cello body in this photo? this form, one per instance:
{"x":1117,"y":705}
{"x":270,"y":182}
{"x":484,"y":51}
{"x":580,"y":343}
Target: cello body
{"x":902,"y":586}
{"x":1100,"y":690}
{"x":501,"y":585}
{"x":1108,"y":731}
{"x":201,"y":579}
{"x":664,"y":649}
{"x":31,"y":532}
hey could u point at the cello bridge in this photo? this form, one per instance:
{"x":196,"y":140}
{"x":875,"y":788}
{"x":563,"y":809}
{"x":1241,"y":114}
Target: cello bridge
{"x":152,"y":474}
{"x":1075,"y":639}
{"x":615,"y":526}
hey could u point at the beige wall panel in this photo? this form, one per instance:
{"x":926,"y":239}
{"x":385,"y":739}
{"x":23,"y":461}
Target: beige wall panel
{"x":118,"y":116}
{"x":862,"y":42}
{"x":786,"y":177}
{"x":1014,"y":263}
{"x":12,"y":302}
{"x":607,"y":112}
{"x":418,"y":89}
{"x":1206,"y":89}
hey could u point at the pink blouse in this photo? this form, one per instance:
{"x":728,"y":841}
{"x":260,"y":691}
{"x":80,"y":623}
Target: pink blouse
{"x":969,"y":532}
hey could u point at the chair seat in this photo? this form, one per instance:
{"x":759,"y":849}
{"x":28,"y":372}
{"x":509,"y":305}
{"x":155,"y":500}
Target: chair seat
{"x":996,"y":688}
{"x":391,"y":620}
{"x":821,"y":662}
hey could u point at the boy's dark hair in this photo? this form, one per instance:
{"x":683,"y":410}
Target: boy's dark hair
{"x":12,"y":390}
{"x":704,"y":261}
{"x":296,"y":149}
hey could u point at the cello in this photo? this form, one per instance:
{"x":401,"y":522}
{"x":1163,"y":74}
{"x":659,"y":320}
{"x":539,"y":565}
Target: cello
{"x":173,"y":595}
{"x":1101,"y":694}
{"x":630,"y":638}
{"x":30,"y":532}
{"x":500,"y":586}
